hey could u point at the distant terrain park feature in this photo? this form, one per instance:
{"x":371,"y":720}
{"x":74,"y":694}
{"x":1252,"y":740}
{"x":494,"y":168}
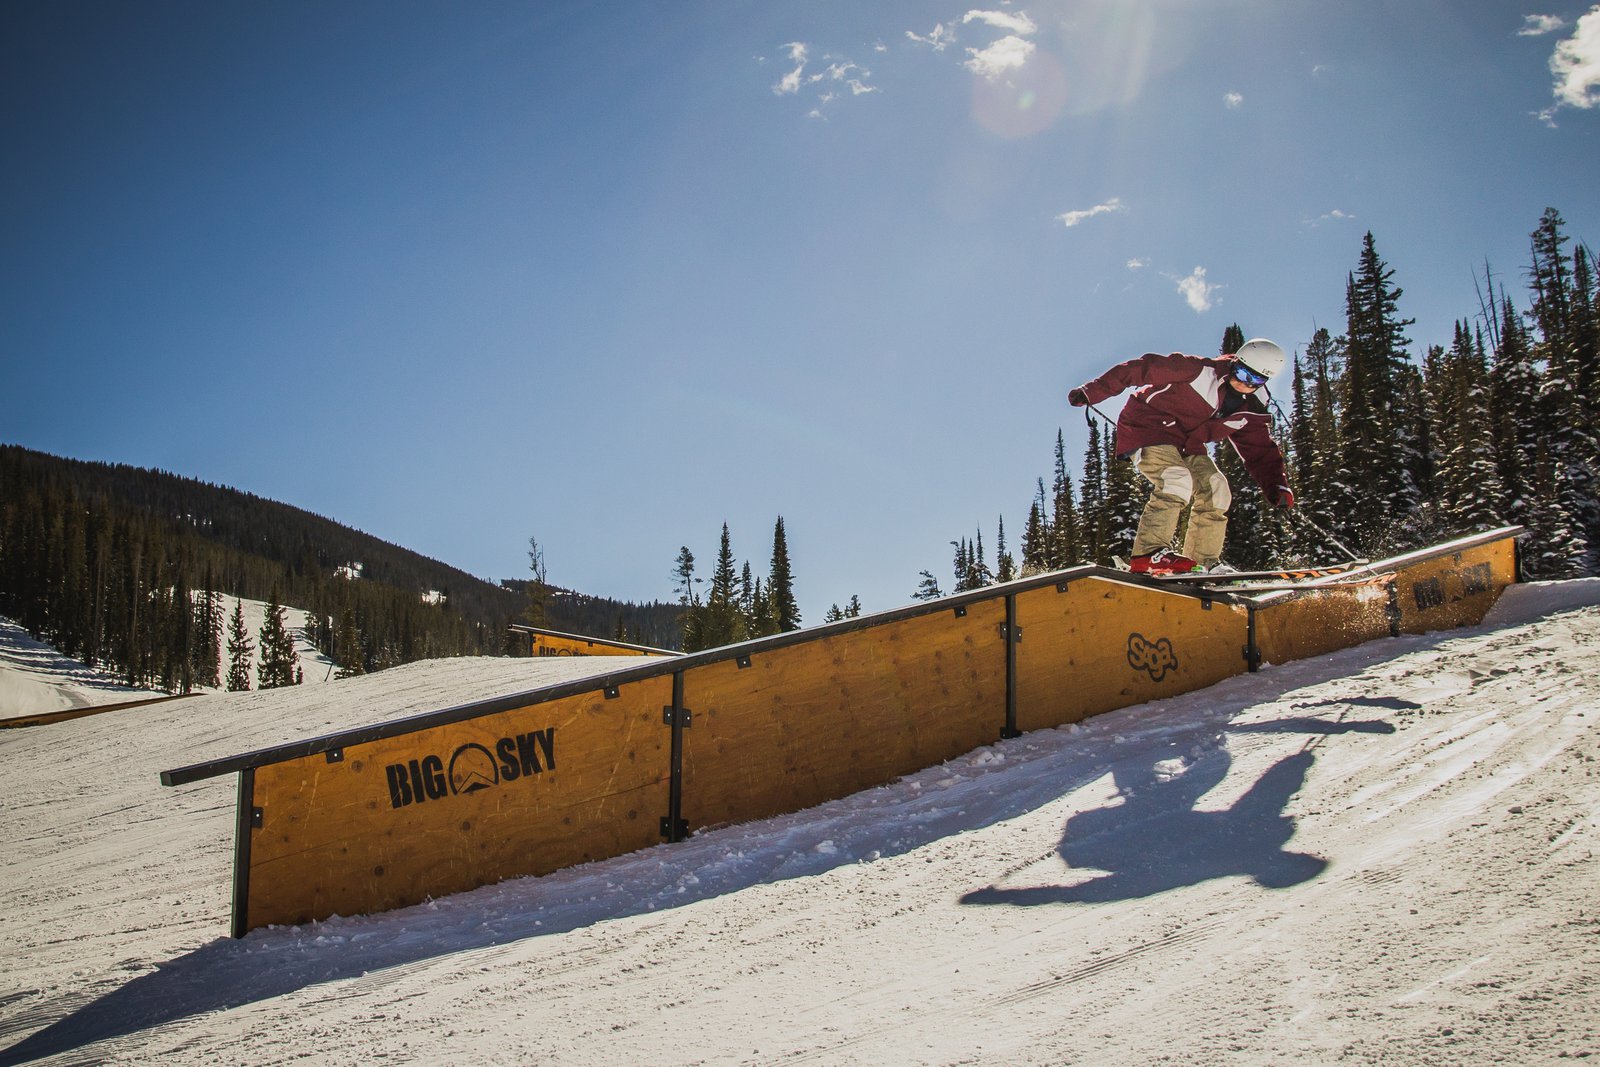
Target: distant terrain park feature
{"x":398,"y":812}
{"x":540,"y":642}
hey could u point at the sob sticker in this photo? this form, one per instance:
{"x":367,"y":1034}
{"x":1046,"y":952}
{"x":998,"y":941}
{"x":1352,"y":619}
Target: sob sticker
{"x":1154,"y":658}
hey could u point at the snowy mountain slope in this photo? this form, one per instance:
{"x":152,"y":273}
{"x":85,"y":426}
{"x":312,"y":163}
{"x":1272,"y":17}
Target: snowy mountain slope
{"x":1387,"y":853}
{"x":35,"y":678}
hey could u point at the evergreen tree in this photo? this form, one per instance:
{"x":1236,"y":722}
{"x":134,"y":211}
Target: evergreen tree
{"x":721,"y":623}
{"x":780,"y":582}
{"x":1379,"y":429}
{"x":1232,"y":340}
{"x":179,"y":653}
{"x":1125,"y":496}
{"x":1573,"y":485}
{"x":1065,"y":530}
{"x":1092,"y":500}
{"x":347,"y":645}
{"x":1517,"y":424}
{"x":688,"y":601}
{"x":1467,"y":485}
{"x":1005,"y":568}
{"x":276,"y":668}
{"x":241,"y":651}
{"x":763,"y":619}
{"x":965,"y":565}
{"x":747,"y":601}
{"x":928,"y":588}
{"x":537,"y":609}
{"x":1036,"y":537}
{"x":208,"y":626}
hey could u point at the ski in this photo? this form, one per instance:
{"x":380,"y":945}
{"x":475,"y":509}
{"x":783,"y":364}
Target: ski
{"x":1285,"y":574}
{"x":1281,"y":574}
{"x":1352,"y":582}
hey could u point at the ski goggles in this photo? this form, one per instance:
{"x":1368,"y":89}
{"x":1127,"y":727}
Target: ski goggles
{"x":1245,"y":376}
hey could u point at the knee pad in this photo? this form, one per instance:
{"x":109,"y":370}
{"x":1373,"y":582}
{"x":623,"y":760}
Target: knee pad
{"x":1178,"y":482}
{"x":1221,"y":492}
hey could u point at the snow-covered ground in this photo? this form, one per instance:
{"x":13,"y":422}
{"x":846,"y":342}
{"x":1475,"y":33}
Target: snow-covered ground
{"x":35,"y":678}
{"x":1383,"y":855}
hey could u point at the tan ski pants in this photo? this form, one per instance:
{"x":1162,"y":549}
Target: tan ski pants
{"x":1180,"y":482}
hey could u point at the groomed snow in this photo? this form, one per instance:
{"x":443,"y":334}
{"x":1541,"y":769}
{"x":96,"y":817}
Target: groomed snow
{"x":35,"y":678}
{"x":1386,"y":854}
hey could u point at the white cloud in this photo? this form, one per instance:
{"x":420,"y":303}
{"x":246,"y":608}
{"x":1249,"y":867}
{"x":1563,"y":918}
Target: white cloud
{"x":1198,"y":292}
{"x":1072,"y":218}
{"x":1576,"y":64}
{"x":790,"y":82}
{"x":1019,"y":24}
{"x":848,"y":73}
{"x":1008,"y":53}
{"x":1333,"y":216}
{"x":1138,"y":264}
{"x":1232,"y":100}
{"x":839,"y":72}
{"x":1539,"y":25}
{"x":940,"y":39}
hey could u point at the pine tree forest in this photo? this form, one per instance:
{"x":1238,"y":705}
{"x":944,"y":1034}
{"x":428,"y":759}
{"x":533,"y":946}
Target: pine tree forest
{"x":1386,"y":452}
{"x":738,"y":606}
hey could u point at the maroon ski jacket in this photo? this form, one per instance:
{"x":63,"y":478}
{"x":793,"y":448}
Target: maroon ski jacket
{"x":1176,"y":402}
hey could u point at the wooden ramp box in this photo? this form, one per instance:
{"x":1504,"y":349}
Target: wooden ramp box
{"x":398,"y":820}
{"x":395,"y":813}
{"x":1434,"y":589}
{"x":1094,"y":645}
{"x":780,"y":730}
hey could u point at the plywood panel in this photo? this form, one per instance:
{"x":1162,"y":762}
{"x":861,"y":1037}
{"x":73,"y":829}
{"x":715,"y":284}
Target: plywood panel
{"x":1431,"y":594}
{"x":1099,"y":645}
{"x":824,"y":719}
{"x":1319,"y":623}
{"x":541,"y":644}
{"x":1455,"y":590}
{"x":453,"y":807}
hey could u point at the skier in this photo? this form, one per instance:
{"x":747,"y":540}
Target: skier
{"x":1182,"y":404}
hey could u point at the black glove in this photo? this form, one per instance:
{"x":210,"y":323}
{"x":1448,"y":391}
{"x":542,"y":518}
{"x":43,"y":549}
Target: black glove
{"x":1078,"y":398}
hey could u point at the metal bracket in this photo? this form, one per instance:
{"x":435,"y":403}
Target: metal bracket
{"x":960,"y":610}
{"x":613,"y":692}
{"x":671,"y":716}
{"x":256,"y":815}
{"x":743,"y":661}
{"x":335,"y":755}
{"x":668,"y":832}
{"x":1006,"y":631}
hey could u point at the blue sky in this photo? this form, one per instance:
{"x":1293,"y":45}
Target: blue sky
{"x":611,"y":275}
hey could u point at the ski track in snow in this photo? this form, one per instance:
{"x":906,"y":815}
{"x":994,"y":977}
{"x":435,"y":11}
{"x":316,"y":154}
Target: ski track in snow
{"x":1382,"y":855}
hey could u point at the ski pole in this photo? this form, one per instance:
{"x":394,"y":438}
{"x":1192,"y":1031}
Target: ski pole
{"x":1332,"y":540}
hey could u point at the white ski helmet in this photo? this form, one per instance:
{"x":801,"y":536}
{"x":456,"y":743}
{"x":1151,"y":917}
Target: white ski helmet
{"x":1262,"y":356}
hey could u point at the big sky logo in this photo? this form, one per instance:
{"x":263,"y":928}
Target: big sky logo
{"x":471,"y":767}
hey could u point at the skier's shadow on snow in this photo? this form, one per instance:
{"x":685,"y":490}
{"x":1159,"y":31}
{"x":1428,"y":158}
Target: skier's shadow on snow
{"x":1153,"y":838}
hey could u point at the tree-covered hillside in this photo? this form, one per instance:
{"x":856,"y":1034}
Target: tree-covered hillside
{"x":113,"y":564}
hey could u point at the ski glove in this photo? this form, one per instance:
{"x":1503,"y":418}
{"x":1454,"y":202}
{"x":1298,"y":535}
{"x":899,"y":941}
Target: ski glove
{"x":1078,"y":398}
{"x":1285,"y":497}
